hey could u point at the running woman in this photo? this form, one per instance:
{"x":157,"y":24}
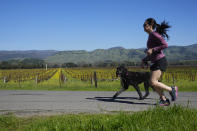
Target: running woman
{"x":155,"y":46}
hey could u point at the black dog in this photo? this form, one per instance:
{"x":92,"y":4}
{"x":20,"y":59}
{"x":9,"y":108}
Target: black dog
{"x":133,"y":78}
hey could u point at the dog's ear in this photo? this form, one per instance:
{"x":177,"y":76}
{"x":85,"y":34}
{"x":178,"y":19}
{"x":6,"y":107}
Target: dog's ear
{"x":118,"y":71}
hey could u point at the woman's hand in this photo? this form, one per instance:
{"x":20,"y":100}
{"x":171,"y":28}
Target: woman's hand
{"x":142,"y":64}
{"x":149,"y":51}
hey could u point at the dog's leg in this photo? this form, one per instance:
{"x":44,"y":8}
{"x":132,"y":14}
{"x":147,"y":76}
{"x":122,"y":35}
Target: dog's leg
{"x":146,"y":86}
{"x":119,"y":92}
{"x":124,"y":87}
{"x":139,"y":92}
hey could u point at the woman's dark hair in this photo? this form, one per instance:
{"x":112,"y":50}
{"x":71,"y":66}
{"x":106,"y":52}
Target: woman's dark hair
{"x":160,"y":28}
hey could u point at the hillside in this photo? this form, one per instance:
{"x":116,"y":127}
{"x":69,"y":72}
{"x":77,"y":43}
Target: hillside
{"x":119,"y":54}
{"x":99,"y":55}
{"x":116,"y":54}
{"x":39,"y":54}
{"x":175,"y":53}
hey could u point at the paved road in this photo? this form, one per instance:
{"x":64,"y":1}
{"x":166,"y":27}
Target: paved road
{"x":28,"y":103}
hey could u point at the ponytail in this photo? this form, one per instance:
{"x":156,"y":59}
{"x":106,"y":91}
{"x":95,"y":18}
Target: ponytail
{"x":161,"y":29}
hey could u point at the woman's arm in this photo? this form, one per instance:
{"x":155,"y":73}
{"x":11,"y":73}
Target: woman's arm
{"x":163,"y":43}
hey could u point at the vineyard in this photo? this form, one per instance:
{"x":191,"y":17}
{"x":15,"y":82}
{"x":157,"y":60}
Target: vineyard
{"x":79,"y":78}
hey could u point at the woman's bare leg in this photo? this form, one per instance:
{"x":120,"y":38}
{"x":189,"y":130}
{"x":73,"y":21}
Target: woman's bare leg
{"x":159,"y":87}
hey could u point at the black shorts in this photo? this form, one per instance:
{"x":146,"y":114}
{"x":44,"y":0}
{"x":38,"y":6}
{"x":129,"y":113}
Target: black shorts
{"x":160,"y":64}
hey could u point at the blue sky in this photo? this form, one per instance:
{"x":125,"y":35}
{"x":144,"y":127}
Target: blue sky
{"x":92,"y":24}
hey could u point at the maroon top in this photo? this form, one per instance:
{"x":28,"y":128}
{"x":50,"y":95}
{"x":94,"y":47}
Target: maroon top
{"x":157,"y":42}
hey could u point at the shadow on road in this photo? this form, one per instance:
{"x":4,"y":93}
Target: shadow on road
{"x":120,"y":100}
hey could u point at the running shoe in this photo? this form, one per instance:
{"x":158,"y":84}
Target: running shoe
{"x":164,"y":102}
{"x":174,"y":93}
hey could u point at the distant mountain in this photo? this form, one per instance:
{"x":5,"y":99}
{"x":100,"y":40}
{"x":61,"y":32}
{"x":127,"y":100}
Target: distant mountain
{"x":118,"y":47}
{"x":120,"y":54}
{"x":175,"y":53}
{"x":8,"y":55}
{"x":116,"y":54}
{"x":99,"y":55}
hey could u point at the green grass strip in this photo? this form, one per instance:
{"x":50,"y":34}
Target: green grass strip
{"x":174,"y":118}
{"x":77,"y":85}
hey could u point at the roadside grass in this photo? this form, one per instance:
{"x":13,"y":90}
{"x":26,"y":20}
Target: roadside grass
{"x":77,"y":85}
{"x":187,"y":85}
{"x":173,"y":118}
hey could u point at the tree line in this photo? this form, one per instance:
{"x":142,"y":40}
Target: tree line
{"x":22,"y":64}
{"x":31,"y":63}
